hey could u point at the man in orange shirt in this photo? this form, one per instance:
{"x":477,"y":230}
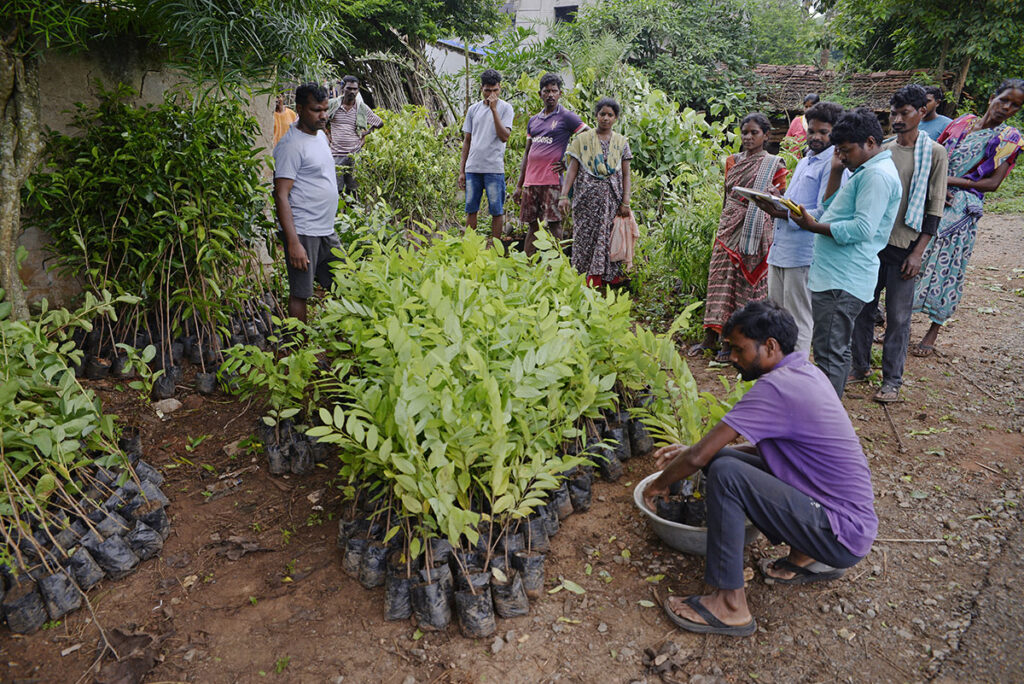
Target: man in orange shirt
{"x":283,"y":118}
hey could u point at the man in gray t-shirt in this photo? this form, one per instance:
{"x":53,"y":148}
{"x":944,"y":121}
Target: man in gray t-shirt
{"x":306,"y":198}
{"x":487,"y":127}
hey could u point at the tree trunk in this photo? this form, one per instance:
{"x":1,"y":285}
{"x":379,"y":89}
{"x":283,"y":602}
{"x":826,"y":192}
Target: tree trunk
{"x":958,"y":89}
{"x":942,"y":61}
{"x":21,"y":148}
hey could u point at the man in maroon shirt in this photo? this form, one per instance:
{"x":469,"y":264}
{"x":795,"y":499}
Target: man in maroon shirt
{"x":539,"y":186}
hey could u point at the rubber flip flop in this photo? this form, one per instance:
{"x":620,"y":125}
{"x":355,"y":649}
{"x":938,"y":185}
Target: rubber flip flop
{"x":855,"y":378}
{"x":815,"y":572}
{"x":713,"y":626}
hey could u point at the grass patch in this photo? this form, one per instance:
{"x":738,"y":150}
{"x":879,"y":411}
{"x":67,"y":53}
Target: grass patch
{"x":1009,"y":198}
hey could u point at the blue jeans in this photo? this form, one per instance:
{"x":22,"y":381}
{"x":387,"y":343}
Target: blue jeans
{"x":740,"y":487}
{"x":494,"y":183}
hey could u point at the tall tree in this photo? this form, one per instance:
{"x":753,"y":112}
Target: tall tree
{"x":979,"y":40}
{"x":230,"y":44}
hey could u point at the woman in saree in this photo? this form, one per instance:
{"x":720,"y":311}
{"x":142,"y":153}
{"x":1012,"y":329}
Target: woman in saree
{"x":598,"y":175}
{"x":739,"y":257}
{"x":982,"y":151}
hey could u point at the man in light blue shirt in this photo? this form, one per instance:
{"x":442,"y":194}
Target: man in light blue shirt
{"x":933,"y":123}
{"x":853,"y":228}
{"x":792,"y":249}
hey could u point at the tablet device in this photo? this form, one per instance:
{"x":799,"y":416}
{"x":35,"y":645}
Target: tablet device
{"x":781,"y":203}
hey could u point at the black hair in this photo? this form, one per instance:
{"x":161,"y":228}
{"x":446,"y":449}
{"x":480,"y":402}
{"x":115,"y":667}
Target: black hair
{"x":758,"y":118}
{"x":936,"y":92}
{"x":350,"y":79}
{"x":490,"y":77}
{"x":310,"y":92}
{"x":913,"y":95}
{"x":607,"y":102}
{"x":813,"y":97}
{"x":825,"y":112}
{"x":762,"y":319}
{"x":856,"y":126}
{"x":1010,"y":84}
{"x":550,"y":79}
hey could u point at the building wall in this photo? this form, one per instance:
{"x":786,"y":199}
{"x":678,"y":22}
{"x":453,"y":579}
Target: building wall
{"x":540,"y":14}
{"x":67,"y":79}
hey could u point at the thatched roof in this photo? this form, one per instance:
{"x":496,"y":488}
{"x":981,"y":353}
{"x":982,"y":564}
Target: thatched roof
{"x":788,"y":84}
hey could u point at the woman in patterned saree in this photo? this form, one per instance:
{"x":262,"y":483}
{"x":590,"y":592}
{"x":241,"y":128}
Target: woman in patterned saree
{"x":739,"y":257}
{"x":981,"y":153}
{"x":598,"y":176}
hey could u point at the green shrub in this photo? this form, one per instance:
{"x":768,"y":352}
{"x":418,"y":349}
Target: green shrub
{"x":459,"y":375}
{"x":161,"y":203}
{"x":412,"y":166}
{"x":52,"y":430}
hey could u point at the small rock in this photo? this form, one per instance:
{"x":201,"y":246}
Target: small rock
{"x":232,"y":450}
{"x":602,"y":628}
{"x":870,"y":613}
{"x":192,"y":402}
{"x":409,"y":680}
{"x":626,"y":652}
{"x":338,"y":680}
{"x":166,"y":406}
{"x":497,"y":645}
{"x":510,"y":636}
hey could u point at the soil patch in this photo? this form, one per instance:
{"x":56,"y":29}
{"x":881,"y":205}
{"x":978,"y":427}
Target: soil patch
{"x":249,"y":584}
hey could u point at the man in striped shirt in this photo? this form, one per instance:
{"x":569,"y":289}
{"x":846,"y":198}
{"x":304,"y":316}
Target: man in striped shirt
{"x":350,"y":121}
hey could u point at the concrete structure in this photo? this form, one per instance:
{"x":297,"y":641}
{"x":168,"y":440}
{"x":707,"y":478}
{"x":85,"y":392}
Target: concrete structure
{"x":540,"y":15}
{"x":67,"y":79}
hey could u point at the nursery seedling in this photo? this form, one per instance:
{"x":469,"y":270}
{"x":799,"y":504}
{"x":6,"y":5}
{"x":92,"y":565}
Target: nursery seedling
{"x":286,"y":536}
{"x":281,"y":664}
{"x":253,"y":600}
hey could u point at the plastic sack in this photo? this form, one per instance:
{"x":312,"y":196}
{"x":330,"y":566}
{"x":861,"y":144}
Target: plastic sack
{"x":625,"y":233}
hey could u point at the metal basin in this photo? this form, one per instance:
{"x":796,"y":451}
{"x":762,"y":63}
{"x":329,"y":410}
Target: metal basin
{"x":685,"y":538}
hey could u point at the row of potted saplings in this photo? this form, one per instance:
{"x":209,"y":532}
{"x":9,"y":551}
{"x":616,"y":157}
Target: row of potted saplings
{"x":103,"y":532}
{"x":502,"y":571}
{"x":199,"y":344}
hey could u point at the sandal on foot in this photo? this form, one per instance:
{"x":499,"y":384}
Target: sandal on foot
{"x":922,"y":350}
{"x":697,"y":349}
{"x":887,"y":394}
{"x":723,"y":356}
{"x":815,"y":572}
{"x":713,"y":626}
{"x":855,"y":377}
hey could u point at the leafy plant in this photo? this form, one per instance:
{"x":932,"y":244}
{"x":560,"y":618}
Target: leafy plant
{"x":52,"y":430}
{"x":165,"y":204}
{"x":462,"y":375}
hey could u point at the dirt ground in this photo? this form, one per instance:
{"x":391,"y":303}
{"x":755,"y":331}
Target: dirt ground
{"x":941,"y":595}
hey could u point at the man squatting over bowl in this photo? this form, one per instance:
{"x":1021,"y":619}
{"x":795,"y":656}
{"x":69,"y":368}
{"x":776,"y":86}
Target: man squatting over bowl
{"x":802,"y":479}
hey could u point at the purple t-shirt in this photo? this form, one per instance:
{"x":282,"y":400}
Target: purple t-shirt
{"x":549,"y":136}
{"x":804,"y":434}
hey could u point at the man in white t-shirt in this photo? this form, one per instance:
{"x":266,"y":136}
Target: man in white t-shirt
{"x":306,"y":198}
{"x":487,"y":127}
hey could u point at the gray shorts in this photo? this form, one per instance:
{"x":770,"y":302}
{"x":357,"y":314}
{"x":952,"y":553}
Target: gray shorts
{"x":318,"y":251}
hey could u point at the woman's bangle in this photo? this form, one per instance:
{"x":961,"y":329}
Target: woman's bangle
{"x":561,"y":197}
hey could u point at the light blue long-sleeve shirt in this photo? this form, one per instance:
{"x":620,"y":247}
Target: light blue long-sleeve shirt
{"x":793,"y":246}
{"x":860,"y":215}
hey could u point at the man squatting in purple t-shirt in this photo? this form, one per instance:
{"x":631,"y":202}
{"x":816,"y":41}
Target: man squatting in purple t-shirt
{"x":540,"y":181}
{"x":803,"y":478}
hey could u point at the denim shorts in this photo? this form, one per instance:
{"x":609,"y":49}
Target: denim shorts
{"x":494,"y":183}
